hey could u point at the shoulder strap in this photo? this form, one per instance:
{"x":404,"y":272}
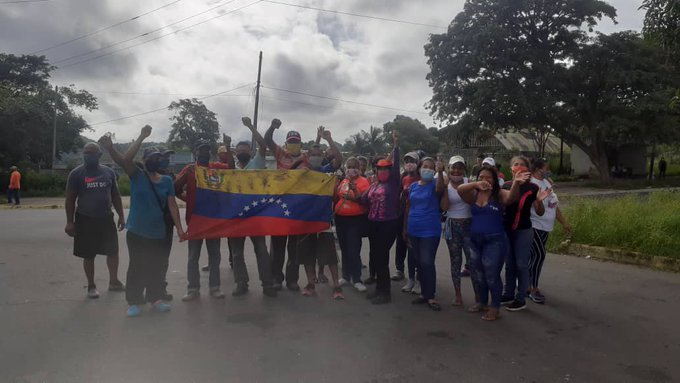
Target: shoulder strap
{"x":155,"y":193}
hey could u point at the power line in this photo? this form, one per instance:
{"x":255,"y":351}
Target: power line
{"x":104,"y":29}
{"x":319,"y":105}
{"x":342,"y":100}
{"x":143,"y":34}
{"x":165,"y":107}
{"x":159,"y":37}
{"x":161,"y":94}
{"x":23,"y":1}
{"x":355,"y":14}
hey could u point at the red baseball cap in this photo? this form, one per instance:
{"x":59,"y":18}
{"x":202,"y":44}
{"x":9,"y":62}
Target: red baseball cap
{"x":384,"y":163}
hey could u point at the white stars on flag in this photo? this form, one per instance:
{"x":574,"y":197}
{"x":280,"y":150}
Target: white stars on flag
{"x":251,"y":208}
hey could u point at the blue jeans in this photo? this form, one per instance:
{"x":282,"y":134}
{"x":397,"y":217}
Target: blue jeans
{"x":214,"y":258}
{"x":424,"y":251}
{"x":349,"y":230}
{"x":517,"y":264}
{"x":487,"y":253}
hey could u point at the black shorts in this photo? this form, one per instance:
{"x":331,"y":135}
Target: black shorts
{"x":95,"y":236}
{"x":321,"y":247}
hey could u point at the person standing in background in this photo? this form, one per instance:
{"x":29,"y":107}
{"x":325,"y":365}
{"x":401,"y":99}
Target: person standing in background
{"x":14,"y":186}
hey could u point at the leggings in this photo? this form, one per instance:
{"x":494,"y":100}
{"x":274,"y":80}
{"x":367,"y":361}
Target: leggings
{"x":537,"y":256}
{"x":456,"y":230}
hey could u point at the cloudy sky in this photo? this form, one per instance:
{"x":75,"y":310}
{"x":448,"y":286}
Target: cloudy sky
{"x":327,"y":56}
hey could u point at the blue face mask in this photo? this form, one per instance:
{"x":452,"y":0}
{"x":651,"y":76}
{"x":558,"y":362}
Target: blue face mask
{"x":91,"y":160}
{"x":163,"y":164}
{"x":427,"y":175}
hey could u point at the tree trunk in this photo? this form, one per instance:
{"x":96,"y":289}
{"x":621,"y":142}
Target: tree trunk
{"x":650,"y":176}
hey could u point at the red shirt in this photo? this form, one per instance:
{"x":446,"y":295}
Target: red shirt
{"x":187,"y":178}
{"x":15,"y":180}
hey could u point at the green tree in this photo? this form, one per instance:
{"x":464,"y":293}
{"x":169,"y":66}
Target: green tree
{"x":365,"y":143}
{"x":413,"y":135}
{"x":618,"y":94}
{"x":504,"y":65}
{"x":27,"y":111}
{"x":662,"y":25}
{"x":192,"y":122}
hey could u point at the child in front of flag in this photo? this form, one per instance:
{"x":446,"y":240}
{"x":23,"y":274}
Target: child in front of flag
{"x":321,"y":246}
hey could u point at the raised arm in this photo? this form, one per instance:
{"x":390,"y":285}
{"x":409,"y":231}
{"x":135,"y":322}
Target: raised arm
{"x":395,"y":172}
{"x":333,"y":148}
{"x":508,"y":197}
{"x":226,"y":141}
{"x":126,"y":161}
{"x":256,"y":136}
{"x":441,"y":178}
{"x":269,"y":136}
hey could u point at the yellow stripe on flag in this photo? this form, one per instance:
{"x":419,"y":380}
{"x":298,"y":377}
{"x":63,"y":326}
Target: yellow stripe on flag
{"x":267,"y":182}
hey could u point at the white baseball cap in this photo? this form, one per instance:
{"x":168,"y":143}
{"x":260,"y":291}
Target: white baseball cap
{"x":489,"y":161}
{"x":456,"y":159}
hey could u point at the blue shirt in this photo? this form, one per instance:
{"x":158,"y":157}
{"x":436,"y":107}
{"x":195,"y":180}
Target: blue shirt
{"x":146,"y":216}
{"x":487,"y":219}
{"x":424,"y":218}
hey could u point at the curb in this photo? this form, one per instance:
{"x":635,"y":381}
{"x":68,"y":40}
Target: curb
{"x":52,"y":207}
{"x":620,"y":256}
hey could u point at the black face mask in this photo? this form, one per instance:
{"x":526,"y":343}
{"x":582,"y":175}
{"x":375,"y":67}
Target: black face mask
{"x":243,"y":158}
{"x":152,"y":166}
{"x":203,"y":159}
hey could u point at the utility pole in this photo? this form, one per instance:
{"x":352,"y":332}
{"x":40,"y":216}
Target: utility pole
{"x":257,"y":100}
{"x":54,"y":131}
{"x":561,"y":170}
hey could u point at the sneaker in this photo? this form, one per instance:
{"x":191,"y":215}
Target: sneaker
{"x":134,"y":311}
{"x":360,"y":287}
{"x":516,"y":306}
{"x":241,"y":289}
{"x":416,"y":289}
{"x":117,"y":287}
{"x":537,"y":297}
{"x":191,"y":295}
{"x":161,"y":306}
{"x":506,"y":300}
{"x":343,"y":282}
{"x":270,"y":292}
{"x":338,"y":295}
{"x":92,"y":292}
{"x":465,"y":273}
{"x":167,"y":297}
{"x":408,"y":287}
{"x":381,"y":299}
{"x":369,"y":281}
{"x":309,"y":291}
{"x":205,"y":268}
{"x":293,"y":286}
{"x":216,"y":293}
{"x":399,"y":276}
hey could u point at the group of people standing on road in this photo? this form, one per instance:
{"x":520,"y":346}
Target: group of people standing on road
{"x":494,"y":223}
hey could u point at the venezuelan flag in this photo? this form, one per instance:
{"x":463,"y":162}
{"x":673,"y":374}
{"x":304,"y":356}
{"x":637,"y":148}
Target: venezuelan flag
{"x":239,"y":203}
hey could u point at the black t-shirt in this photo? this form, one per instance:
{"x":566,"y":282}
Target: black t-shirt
{"x":527,"y":196}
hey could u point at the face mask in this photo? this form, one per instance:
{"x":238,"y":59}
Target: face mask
{"x":456,"y":179}
{"x":427,"y":175}
{"x":163,"y":164}
{"x":315,"y":162}
{"x":91,"y":160}
{"x":293,"y":149}
{"x":352,"y":173}
{"x":410,"y":168}
{"x":152,"y":166}
{"x":383,"y":175}
{"x":519,"y":169}
{"x":203,"y":159}
{"x":243,"y":158}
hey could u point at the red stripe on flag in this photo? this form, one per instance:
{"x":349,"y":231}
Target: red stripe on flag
{"x":204,"y":227}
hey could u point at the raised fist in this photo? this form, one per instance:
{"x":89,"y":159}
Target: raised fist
{"x":146,"y":131}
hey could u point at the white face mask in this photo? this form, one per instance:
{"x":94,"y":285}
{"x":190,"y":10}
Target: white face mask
{"x":315,"y":162}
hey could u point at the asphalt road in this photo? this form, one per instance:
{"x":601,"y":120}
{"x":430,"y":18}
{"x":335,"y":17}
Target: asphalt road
{"x":603,"y":323}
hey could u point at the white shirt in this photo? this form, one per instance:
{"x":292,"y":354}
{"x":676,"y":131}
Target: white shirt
{"x":458,"y":209}
{"x":546,"y":222}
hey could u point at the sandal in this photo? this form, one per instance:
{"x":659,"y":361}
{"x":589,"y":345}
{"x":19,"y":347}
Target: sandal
{"x":309,"y":290}
{"x":338,"y":295}
{"x":489,"y":317}
{"x":434,"y":306}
